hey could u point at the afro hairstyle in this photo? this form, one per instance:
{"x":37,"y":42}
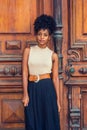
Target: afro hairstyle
{"x":44,"y":22}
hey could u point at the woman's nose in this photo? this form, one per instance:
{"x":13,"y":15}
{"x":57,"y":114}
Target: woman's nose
{"x":42,"y":36}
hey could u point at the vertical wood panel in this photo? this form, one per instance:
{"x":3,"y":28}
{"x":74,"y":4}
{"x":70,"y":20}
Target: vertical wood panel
{"x":85,"y":16}
{"x":48,"y":5}
{"x":76,"y":97}
{"x":14,"y":14}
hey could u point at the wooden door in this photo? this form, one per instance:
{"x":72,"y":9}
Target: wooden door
{"x":75,"y":64}
{"x":16,"y":33}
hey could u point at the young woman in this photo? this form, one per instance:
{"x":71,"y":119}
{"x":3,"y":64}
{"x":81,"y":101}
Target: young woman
{"x":40,"y":79}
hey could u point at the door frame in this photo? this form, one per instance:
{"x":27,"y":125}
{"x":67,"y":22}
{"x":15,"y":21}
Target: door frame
{"x":58,"y":41}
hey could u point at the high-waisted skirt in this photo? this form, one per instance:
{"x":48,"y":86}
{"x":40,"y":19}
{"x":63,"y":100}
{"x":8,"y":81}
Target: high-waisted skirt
{"x":42,"y":111}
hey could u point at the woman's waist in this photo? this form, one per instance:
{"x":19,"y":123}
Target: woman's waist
{"x":38,"y":77}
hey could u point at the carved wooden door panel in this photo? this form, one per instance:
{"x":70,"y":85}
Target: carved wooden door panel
{"x":16,"y":33}
{"x":75,"y":57}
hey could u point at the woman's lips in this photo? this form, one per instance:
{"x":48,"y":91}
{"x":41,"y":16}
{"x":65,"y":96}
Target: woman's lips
{"x":42,"y":40}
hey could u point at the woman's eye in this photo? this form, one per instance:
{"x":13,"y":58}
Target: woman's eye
{"x":39,"y":34}
{"x":45,"y":35}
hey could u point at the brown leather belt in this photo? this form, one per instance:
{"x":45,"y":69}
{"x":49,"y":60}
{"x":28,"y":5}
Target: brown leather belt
{"x":36,"y":78}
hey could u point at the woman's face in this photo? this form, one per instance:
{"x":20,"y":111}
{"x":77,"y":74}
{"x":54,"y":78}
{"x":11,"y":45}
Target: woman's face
{"x":43,"y":37}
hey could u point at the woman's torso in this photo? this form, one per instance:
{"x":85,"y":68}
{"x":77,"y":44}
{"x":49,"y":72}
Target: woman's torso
{"x":40,"y":60}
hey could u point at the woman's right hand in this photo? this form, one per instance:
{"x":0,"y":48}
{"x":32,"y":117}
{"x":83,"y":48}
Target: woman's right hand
{"x":25,"y":100}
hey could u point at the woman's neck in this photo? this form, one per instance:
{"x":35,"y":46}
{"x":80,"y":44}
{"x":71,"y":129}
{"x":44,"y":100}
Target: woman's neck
{"x":42,"y":46}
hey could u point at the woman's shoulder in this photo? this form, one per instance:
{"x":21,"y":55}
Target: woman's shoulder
{"x":26,"y":51}
{"x":50,"y":50}
{"x":33,"y":47}
{"x":55,"y":56}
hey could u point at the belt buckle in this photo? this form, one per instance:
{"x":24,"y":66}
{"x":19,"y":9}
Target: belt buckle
{"x":38,"y":78}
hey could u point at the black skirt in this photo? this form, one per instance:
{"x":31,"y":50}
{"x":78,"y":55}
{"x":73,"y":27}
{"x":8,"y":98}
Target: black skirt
{"x":42,"y":111}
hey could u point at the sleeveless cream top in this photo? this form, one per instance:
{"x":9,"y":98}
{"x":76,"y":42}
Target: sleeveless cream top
{"x":40,"y":60}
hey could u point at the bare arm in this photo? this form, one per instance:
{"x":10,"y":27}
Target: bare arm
{"x":55,"y":77}
{"x":25,"y":76}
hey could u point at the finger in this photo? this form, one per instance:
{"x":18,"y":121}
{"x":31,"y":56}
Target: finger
{"x":25,"y":104}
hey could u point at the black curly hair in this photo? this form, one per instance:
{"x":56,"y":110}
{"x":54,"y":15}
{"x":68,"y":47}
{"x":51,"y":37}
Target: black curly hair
{"x":44,"y":22}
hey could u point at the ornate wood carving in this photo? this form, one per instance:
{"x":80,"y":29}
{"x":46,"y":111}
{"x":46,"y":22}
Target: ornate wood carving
{"x":83,"y":70}
{"x":10,"y":70}
{"x":10,"y":82}
{"x":74,"y":55}
{"x":30,"y":43}
{"x":10,"y":57}
{"x":74,"y":117}
{"x":76,"y":68}
{"x":14,"y":111}
{"x":11,"y":110}
{"x":11,"y":45}
{"x":78,"y":27}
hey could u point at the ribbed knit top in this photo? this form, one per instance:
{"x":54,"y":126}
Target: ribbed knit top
{"x":40,"y":60}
